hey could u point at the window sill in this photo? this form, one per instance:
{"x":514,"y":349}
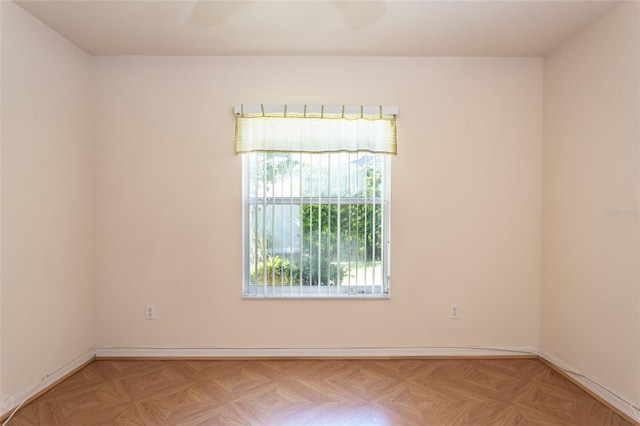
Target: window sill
{"x":318,"y":296}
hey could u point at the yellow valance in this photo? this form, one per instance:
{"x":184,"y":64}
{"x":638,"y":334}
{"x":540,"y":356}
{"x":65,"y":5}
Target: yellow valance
{"x":315,"y":129}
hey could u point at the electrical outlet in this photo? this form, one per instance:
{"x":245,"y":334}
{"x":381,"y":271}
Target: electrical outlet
{"x":150,"y":312}
{"x":454,"y":312}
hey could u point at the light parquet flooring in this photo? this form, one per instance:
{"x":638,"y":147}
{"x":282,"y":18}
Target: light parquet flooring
{"x":317,"y":392}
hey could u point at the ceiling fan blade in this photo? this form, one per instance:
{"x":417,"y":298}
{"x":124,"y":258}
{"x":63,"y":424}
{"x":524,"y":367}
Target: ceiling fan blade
{"x":212,"y":13}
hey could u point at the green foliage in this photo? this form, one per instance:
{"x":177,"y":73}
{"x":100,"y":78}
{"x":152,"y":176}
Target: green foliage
{"x":339,"y":233}
{"x":320,"y":271}
{"x":278,"y":271}
{"x":281,"y":271}
{"x":360,"y":231}
{"x":373,"y":177}
{"x":330,"y":234}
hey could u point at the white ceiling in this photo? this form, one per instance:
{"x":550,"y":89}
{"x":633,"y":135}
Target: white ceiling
{"x":372,"y":28}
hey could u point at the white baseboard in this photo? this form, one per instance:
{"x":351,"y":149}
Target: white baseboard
{"x":10,"y":402}
{"x":314,"y":352}
{"x":592,"y":385}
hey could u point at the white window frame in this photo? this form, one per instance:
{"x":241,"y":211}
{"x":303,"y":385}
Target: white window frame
{"x":340,"y":291}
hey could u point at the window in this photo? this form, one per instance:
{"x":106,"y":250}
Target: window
{"x":315,"y":215}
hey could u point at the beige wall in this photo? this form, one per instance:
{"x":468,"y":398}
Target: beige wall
{"x":1,"y":393}
{"x":590,"y":304}
{"x":465,"y":202}
{"x":47,"y":229}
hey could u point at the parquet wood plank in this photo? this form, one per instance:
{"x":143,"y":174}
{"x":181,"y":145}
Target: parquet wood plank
{"x":317,"y":392}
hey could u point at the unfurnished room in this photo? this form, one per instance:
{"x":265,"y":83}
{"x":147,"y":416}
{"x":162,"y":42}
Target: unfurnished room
{"x":320,"y":212}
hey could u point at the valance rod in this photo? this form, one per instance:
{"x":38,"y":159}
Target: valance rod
{"x":316,"y":111}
